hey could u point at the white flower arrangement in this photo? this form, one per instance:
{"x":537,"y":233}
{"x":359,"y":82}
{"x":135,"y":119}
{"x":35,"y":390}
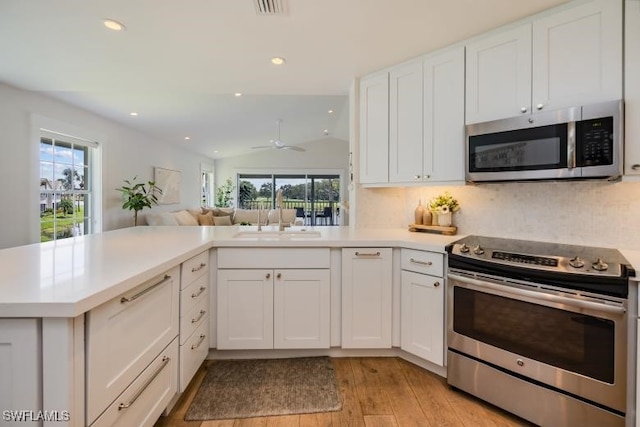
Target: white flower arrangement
{"x":443,"y":204}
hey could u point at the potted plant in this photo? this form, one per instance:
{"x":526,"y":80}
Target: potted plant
{"x":444,"y":206}
{"x":137,"y":196}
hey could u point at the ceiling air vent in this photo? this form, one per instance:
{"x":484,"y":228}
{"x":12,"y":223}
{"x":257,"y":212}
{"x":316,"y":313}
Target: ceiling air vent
{"x":270,"y":7}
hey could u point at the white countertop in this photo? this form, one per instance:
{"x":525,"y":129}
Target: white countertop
{"x":71,"y":276}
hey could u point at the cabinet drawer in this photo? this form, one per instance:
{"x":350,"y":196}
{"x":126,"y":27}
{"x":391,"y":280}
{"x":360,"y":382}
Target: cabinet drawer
{"x":142,"y":403}
{"x":273,"y":258}
{"x":422,"y":262}
{"x":192,"y":319}
{"x":193,"y":352}
{"x":193,"y":294}
{"x":194,"y":268}
{"x":125,"y":334}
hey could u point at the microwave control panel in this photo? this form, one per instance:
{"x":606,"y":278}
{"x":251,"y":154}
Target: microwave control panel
{"x":595,"y":142}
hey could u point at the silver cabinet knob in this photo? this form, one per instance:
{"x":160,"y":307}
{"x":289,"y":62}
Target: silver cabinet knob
{"x":416,"y":177}
{"x":530,"y":120}
{"x":279,"y":275}
{"x":436,"y":284}
{"x":539,"y":106}
{"x":268,"y":275}
{"x":523,"y":110}
{"x":427,"y":176}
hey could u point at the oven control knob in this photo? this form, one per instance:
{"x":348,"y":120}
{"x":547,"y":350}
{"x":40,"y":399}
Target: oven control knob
{"x":478,"y":250}
{"x":599,"y":265}
{"x":576,"y":262}
{"x":464,"y":248}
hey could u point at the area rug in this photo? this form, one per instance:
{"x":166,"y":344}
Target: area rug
{"x":258,"y":388}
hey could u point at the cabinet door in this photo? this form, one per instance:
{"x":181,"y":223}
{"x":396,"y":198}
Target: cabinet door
{"x":632,"y":88}
{"x":301,"y":309}
{"x":245,"y":309}
{"x":20,"y":367}
{"x":577,"y":56}
{"x":374,"y":129}
{"x":366,"y":297}
{"x":422,"y":316}
{"x":444,"y":134}
{"x":405,"y":123}
{"x":499,"y":75}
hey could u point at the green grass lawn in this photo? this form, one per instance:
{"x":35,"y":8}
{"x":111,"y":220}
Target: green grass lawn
{"x":65,"y":224}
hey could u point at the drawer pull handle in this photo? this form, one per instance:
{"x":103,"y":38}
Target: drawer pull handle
{"x":196,"y":345}
{"x":165,"y":361}
{"x":199,"y":292}
{"x":367,"y":253}
{"x":199,"y":316}
{"x":417,"y":261}
{"x":198,"y":268}
{"x":149,"y":289}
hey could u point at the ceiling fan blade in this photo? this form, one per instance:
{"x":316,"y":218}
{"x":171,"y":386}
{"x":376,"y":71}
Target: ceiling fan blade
{"x":293,"y":147}
{"x":261,"y":147}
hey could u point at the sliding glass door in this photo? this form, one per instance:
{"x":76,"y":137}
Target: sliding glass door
{"x":316,"y":198}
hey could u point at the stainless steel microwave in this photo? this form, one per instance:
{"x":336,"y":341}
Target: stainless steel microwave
{"x":579,"y":142}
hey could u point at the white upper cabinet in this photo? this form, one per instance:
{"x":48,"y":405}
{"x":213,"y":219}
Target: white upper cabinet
{"x":374,"y":129}
{"x":405,"y":123}
{"x":632,"y":88}
{"x":577,"y":56}
{"x":443,"y":140}
{"x":565,"y":58}
{"x":499,"y":75}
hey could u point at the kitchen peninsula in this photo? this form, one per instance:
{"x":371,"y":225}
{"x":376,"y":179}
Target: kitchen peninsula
{"x":73,"y":312}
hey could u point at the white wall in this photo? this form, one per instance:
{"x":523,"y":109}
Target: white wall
{"x":125,"y":154}
{"x":596,"y":213}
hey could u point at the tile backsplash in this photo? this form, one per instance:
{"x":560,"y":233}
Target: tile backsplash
{"x":597,"y":213}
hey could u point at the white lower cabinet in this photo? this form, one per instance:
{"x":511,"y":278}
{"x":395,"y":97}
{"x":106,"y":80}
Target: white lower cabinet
{"x":20,"y":372}
{"x":422,"y":316}
{"x":366,"y":297}
{"x":265,"y":308}
{"x":142,"y":403}
{"x":422,"y":302}
{"x":123,"y":338}
{"x":194,"y":316}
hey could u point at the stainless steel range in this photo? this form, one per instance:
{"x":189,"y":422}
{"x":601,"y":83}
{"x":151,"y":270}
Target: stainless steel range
{"x":540,"y":329}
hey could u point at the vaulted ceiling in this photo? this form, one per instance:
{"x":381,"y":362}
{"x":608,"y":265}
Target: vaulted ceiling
{"x":179,"y":63}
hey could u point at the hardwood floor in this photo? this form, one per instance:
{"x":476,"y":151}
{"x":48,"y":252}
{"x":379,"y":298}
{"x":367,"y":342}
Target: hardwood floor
{"x":376,"y":392}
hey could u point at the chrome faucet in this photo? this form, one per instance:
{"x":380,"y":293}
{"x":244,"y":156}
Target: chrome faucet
{"x":259,"y":223}
{"x":280,"y":223}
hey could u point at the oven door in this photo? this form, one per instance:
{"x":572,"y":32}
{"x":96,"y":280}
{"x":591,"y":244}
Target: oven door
{"x":571,"y":343}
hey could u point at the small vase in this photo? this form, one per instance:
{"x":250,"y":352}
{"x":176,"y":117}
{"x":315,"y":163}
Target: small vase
{"x":419,"y":213}
{"x":444,"y":219}
{"x":427,"y":217}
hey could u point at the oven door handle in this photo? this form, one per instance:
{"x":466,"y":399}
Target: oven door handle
{"x":482,"y":285}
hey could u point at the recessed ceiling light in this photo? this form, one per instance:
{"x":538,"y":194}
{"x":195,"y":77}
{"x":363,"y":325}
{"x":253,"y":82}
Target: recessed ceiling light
{"x":237,"y":94}
{"x":330,"y":111}
{"x":277,"y":60}
{"x":326,"y":131}
{"x":215,"y":151}
{"x":186,"y":138}
{"x":113,"y":25}
{"x":133,"y":114}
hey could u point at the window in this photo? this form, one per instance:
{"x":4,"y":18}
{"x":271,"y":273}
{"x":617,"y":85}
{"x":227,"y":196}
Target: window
{"x":66,"y":186}
{"x":206,"y":189}
{"x":315,"y":197}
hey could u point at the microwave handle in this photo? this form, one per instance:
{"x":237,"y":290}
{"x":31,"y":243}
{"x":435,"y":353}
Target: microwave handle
{"x":571,"y":145}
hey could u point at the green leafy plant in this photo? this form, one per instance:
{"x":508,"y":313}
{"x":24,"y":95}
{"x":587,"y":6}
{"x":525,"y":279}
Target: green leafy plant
{"x":224,"y":194}
{"x":137,"y":196}
{"x":444,"y":203}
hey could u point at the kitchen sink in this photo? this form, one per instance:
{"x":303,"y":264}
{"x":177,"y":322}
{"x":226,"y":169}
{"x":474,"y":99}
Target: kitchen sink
{"x":274,"y":234}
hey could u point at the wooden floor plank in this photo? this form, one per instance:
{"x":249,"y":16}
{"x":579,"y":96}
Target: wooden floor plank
{"x":403,"y":400}
{"x":371,"y":393}
{"x":411,"y":395}
{"x":380,"y":421}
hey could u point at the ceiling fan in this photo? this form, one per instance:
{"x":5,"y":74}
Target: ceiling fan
{"x":278,"y":144}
